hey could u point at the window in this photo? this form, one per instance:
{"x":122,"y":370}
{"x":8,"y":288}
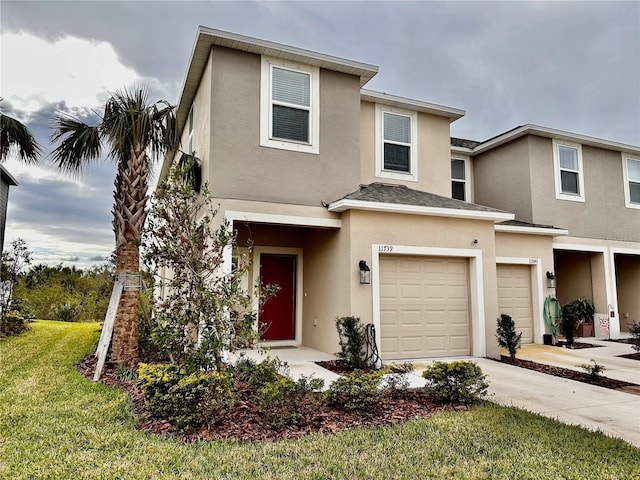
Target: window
{"x":567,"y":159}
{"x":289,"y":106}
{"x":396,"y":144}
{"x":459,"y":181}
{"x":631,"y":170}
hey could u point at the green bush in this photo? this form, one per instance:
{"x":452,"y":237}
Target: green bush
{"x":593,"y":369}
{"x":396,"y":379}
{"x":507,"y":336}
{"x":356,"y":391}
{"x":284,"y":402}
{"x":353,"y":349}
{"x":257,"y":375}
{"x":634,"y":330}
{"x":12,"y":323}
{"x":189,"y":400}
{"x":67,"y":311}
{"x":456,"y":382}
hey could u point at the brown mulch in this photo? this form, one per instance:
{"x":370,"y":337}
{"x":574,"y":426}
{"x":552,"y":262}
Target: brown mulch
{"x":244,"y":424}
{"x":632,"y":356}
{"x":339,"y":367}
{"x":583,"y":377}
{"x":576,"y":345}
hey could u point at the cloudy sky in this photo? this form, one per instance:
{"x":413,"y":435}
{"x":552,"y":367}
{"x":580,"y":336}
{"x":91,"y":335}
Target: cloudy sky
{"x":571,"y":66}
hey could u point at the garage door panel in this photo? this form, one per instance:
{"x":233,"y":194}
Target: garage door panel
{"x":430,"y":309}
{"x":515,"y":299}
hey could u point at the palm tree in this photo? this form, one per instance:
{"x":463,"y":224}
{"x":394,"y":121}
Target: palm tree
{"x":136,"y":132}
{"x":14,"y":133}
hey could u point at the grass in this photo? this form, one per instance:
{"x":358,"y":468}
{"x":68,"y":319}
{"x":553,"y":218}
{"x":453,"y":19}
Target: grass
{"x":56,"y":424}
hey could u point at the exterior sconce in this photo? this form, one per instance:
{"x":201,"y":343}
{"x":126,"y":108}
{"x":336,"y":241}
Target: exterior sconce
{"x":551,"y":280}
{"x":365,"y":273}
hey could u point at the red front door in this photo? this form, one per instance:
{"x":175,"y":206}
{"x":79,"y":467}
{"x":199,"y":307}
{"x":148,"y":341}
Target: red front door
{"x":278,"y":318}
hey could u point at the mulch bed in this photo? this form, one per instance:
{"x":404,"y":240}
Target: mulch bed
{"x":574,"y":375}
{"x":576,"y":345}
{"x":632,"y":356}
{"x":339,"y":367}
{"x":244,"y":424}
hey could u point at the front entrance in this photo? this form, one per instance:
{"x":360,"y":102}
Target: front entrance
{"x":278,"y":318}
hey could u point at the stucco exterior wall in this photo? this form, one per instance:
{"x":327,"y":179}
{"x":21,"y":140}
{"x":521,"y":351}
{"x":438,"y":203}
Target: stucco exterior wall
{"x":434,"y":152}
{"x":242,"y":169}
{"x":603,"y":213}
{"x":502,"y":179}
{"x":628,"y":285}
{"x":573,"y":274}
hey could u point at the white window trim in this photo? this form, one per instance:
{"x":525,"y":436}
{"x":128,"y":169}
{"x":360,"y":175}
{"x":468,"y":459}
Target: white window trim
{"x":560,"y":195}
{"x":267,"y":63}
{"x":627,"y":193}
{"x":411,"y":176}
{"x":467,"y":178}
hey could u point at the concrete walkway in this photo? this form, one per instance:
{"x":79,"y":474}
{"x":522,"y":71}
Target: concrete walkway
{"x":615,"y":413}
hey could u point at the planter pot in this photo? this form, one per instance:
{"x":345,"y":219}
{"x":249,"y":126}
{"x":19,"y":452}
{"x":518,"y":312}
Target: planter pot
{"x":547,"y":339}
{"x":585,"y":330}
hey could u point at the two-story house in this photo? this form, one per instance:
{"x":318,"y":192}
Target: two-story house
{"x":589,"y":186}
{"x":346,"y":196}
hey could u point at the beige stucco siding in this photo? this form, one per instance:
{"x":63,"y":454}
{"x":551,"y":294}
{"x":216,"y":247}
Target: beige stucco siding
{"x":628,"y":286}
{"x":241,"y":168}
{"x":502,"y":179}
{"x":603,"y":213}
{"x":434,"y":152}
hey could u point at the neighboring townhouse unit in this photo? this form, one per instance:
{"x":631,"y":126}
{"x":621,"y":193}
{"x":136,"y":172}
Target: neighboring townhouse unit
{"x":6,"y":181}
{"x":327,"y":178}
{"x":590,"y":187}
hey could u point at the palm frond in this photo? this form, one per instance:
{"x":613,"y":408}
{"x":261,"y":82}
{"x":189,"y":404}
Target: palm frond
{"x":14,"y":133}
{"x":79,"y":144}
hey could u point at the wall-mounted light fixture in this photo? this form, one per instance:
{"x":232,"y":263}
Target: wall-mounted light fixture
{"x":365,"y":273}
{"x":551,"y":280}
{"x":475,"y":241}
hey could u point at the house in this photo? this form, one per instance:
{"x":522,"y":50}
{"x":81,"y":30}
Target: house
{"x":356,"y":206}
{"x":589,"y":186}
{"x":6,"y":181}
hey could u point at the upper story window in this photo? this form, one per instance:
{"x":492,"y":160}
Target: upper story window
{"x":460,"y":179}
{"x":396,"y":144}
{"x":568,"y":171}
{"x":631,"y":170}
{"x":289,"y":106}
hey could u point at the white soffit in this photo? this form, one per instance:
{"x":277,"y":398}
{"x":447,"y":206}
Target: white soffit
{"x":553,"y":232}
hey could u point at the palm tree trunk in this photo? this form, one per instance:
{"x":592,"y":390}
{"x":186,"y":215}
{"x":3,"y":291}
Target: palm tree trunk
{"x":129,"y":214}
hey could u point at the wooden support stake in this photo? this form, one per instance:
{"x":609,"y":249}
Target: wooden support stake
{"x":107,"y":329}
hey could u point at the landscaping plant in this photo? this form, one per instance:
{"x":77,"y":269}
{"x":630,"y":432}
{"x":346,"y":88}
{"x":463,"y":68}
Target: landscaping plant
{"x":353,"y":342}
{"x":396,"y":378}
{"x":456,"y":382}
{"x":569,"y":322}
{"x":634,"y":330}
{"x":507,"y":336}
{"x":355,"y":391}
{"x":284,"y":402}
{"x":593,"y":369}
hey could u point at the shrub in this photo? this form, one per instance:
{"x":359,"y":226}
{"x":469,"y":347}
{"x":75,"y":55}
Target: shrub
{"x":456,"y":382}
{"x":353,"y":343}
{"x":396,"y":379}
{"x":593,"y":369}
{"x":12,"y":323}
{"x":284,"y":402}
{"x":67,"y":311}
{"x":634,"y":330}
{"x":188,"y":399}
{"x":356,"y":391}
{"x":506,"y":335}
{"x":569,"y":322}
{"x":259,"y":374}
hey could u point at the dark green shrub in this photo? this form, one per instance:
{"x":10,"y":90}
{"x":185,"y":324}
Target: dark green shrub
{"x":396,"y":378}
{"x":284,"y":402}
{"x":259,"y":374}
{"x":634,"y":330}
{"x":456,"y":382}
{"x":356,"y":391}
{"x":12,"y":323}
{"x":569,"y":322}
{"x":67,"y":311}
{"x":353,"y":343}
{"x":507,"y":336}
{"x":189,"y":400}
{"x":593,"y":369}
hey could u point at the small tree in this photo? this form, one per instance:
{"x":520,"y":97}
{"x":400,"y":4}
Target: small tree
{"x":507,"y":336}
{"x":204,"y":312}
{"x":14,"y":261}
{"x":352,"y":337}
{"x":569,"y":322}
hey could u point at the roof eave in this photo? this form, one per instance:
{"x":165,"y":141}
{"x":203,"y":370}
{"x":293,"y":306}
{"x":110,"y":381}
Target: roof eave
{"x":407,"y":103}
{"x":10,"y":179}
{"x":552,"y":232}
{"x":348,"y":204}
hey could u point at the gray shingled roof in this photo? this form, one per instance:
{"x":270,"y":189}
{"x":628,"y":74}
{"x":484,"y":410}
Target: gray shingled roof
{"x":463,"y":142}
{"x":402,"y":195}
{"x":520,"y":223}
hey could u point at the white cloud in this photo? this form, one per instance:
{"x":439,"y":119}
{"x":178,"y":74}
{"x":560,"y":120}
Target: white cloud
{"x":36,"y":71}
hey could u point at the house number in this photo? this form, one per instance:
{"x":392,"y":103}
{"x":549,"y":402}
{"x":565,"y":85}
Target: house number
{"x":385,"y":248}
{"x":533,"y":261}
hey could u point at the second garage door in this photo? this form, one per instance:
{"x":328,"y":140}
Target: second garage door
{"x":424,"y":307}
{"x":514,"y":297}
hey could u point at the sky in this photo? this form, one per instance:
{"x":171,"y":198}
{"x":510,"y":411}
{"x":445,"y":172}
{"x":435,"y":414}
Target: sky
{"x":572,"y":66}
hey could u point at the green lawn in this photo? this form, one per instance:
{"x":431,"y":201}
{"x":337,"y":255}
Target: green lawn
{"x":56,"y":424}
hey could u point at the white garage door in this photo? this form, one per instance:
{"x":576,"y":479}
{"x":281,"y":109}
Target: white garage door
{"x":514,"y":297}
{"x":424,"y":307}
